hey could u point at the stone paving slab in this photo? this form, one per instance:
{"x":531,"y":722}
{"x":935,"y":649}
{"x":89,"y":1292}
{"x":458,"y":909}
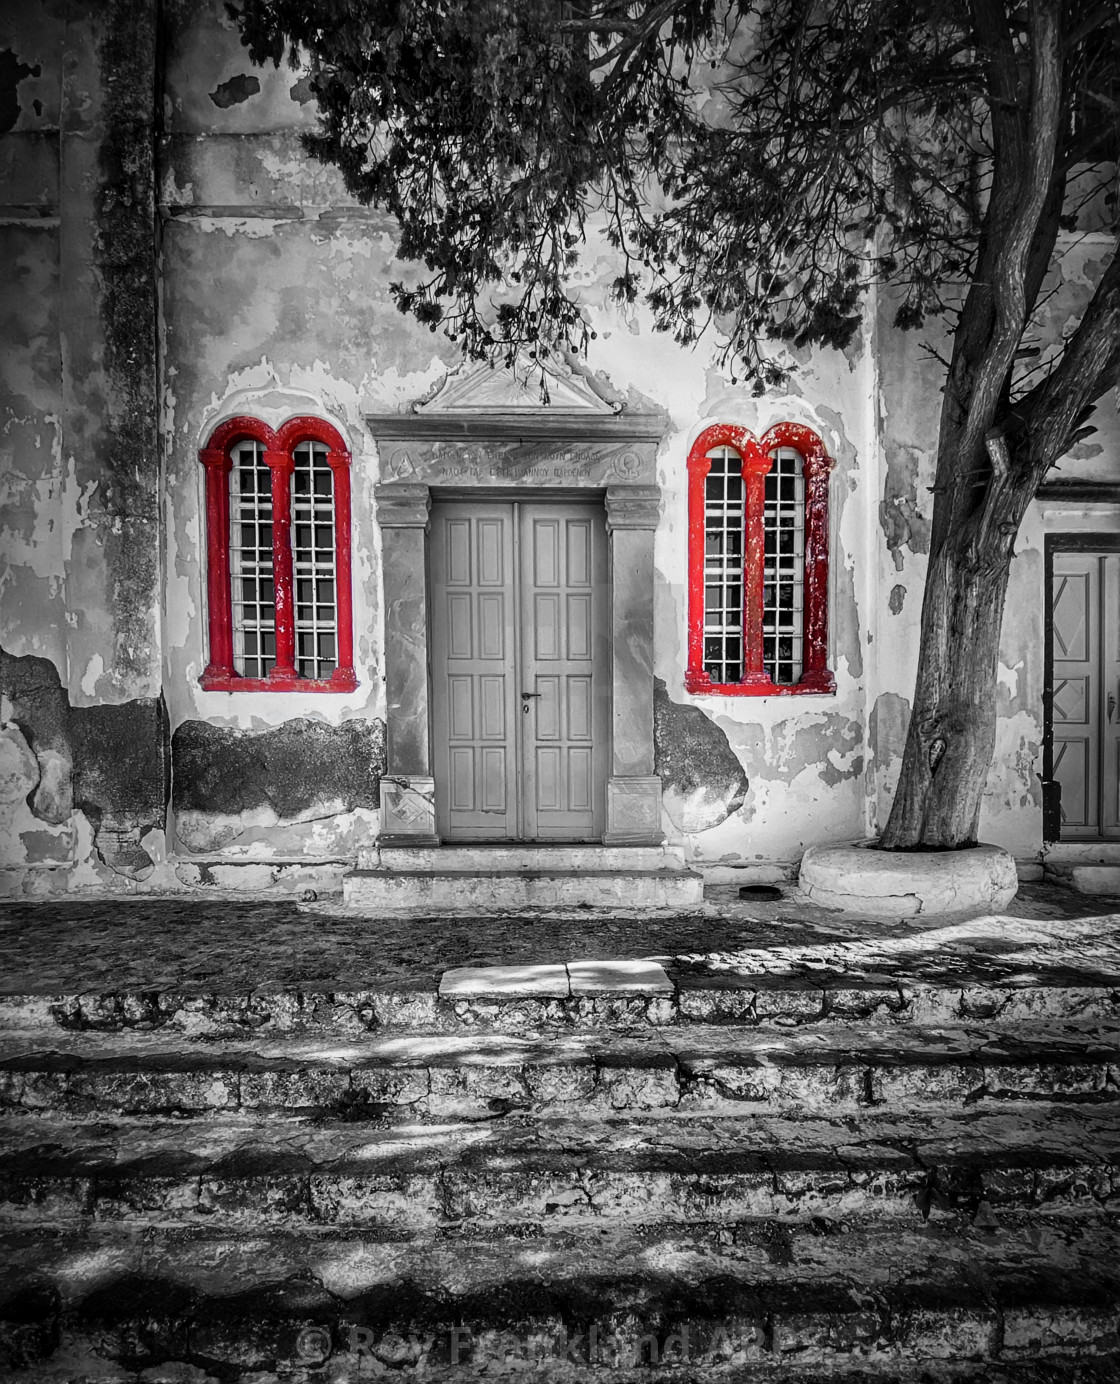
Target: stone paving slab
{"x":618,"y":977}
{"x":555,"y":982}
{"x":505,"y":981}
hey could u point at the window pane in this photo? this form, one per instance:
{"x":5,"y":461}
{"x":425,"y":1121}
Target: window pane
{"x":723,"y":566}
{"x":254,"y":611}
{"x":313,"y":561}
{"x":784,"y":567}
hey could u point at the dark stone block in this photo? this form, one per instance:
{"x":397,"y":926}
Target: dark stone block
{"x":701,"y":776}
{"x":121,"y":773}
{"x":110,"y":762}
{"x":291,"y":768}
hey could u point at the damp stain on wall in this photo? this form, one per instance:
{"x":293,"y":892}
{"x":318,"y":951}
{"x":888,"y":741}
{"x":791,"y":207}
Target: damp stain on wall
{"x":702,"y":781}
{"x":12,"y":72}
{"x":236,"y":90}
{"x":228,"y":781}
{"x":901,"y":518}
{"x":107,"y":762}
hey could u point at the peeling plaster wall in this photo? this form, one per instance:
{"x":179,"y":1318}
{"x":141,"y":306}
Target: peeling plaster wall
{"x":80,"y":584}
{"x":273,"y":300}
{"x":276,"y":299}
{"x":803,"y":756}
{"x":275,"y":303}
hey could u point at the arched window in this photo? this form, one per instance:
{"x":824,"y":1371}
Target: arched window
{"x":278,"y":544}
{"x":758,"y":562}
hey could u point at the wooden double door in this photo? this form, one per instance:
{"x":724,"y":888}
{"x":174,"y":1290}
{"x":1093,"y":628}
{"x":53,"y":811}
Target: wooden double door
{"x":520,"y":670}
{"x":1083,"y":720}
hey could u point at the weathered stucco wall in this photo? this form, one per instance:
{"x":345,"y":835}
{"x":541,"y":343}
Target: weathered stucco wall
{"x":803,"y":756}
{"x":80,"y":587}
{"x":177,"y":259}
{"x":275,"y":303}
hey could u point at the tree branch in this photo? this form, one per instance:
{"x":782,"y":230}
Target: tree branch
{"x":1014,"y":238}
{"x":1089,"y":366}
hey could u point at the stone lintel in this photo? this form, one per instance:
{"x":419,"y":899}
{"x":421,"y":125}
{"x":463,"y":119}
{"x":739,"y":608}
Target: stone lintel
{"x":543,"y":426}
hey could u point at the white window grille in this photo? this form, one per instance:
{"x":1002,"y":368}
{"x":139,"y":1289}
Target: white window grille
{"x":254,"y":599}
{"x":313,"y":559}
{"x":784,"y":567}
{"x":723,"y":566}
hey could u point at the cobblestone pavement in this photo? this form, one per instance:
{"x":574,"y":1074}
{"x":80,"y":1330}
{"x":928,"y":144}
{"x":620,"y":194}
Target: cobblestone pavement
{"x":230,"y":945}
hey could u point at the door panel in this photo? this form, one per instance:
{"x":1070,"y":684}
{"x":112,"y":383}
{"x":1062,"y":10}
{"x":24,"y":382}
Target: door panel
{"x":1110,"y":697}
{"x":1084,"y":692}
{"x":473,"y":659}
{"x":519,"y":660}
{"x":565,"y":720}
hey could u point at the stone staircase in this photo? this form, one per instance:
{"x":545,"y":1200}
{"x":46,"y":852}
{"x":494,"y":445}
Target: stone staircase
{"x":570,"y":1172}
{"x":511,"y":878}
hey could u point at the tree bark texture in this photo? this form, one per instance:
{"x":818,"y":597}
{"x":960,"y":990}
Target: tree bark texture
{"x":952,"y":729}
{"x":981,"y":489}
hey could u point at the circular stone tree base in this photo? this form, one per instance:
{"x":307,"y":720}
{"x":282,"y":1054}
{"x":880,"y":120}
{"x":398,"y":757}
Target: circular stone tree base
{"x":904,"y":884}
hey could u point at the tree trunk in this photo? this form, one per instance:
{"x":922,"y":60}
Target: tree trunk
{"x":953,"y":723}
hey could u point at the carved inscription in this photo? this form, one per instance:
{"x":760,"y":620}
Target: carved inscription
{"x":459,"y":464}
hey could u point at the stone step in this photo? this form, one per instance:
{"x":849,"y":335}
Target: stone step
{"x":1096,"y":879}
{"x":485,"y":859}
{"x":566,"y":997}
{"x":746,"y":1305}
{"x":478,"y":1075}
{"x":422,"y":891}
{"x":972,"y":1168}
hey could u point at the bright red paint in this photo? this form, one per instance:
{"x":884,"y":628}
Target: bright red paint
{"x":279,"y":448}
{"x":758,"y":457}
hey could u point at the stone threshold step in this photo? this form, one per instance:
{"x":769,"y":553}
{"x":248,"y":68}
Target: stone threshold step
{"x":973,"y":1167}
{"x":578,"y":994}
{"x":698,"y":1068}
{"x":890,"y":1297}
{"x":484,"y":859}
{"x":462,"y":890}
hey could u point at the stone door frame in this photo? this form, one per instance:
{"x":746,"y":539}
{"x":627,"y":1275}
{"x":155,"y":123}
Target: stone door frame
{"x":602,"y":455}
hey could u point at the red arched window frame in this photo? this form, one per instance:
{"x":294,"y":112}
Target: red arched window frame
{"x":757,"y":456}
{"x":279,"y":455}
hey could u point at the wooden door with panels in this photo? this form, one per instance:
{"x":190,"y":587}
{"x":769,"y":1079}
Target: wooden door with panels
{"x":1083,"y":686}
{"x":520,"y":670}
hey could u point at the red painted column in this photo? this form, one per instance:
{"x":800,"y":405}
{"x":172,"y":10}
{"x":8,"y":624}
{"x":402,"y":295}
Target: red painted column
{"x":815,"y":673}
{"x":282,"y":465}
{"x":343,"y":676}
{"x":756,"y":463}
{"x":696,"y":679}
{"x":816,"y":466}
{"x":219,"y":670}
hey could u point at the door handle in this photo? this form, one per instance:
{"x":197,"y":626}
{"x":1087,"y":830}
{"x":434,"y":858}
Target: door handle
{"x":1111,"y":705}
{"x":526,"y":695}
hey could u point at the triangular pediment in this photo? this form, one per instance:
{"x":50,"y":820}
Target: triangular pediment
{"x":498,"y":389}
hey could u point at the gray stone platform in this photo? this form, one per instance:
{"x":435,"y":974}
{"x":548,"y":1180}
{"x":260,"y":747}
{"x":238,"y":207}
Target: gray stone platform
{"x":507,"y":878}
